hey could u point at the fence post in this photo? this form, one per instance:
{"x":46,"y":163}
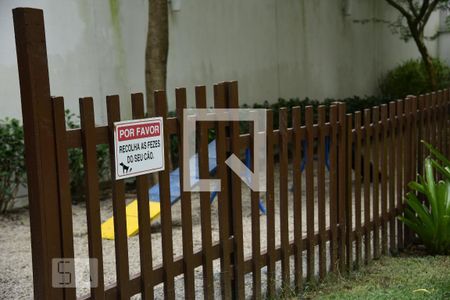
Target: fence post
{"x":342,"y":185}
{"x":227,"y":137}
{"x":46,"y":240}
{"x":235,"y":200}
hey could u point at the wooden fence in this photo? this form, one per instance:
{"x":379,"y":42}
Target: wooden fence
{"x":350,"y":213}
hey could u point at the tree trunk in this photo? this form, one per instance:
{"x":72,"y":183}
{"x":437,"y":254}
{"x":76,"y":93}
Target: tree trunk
{"x":156,"y":55}
{"x":428,"y":62}
{"x":426,"y":58}
{"x":156,"y":51}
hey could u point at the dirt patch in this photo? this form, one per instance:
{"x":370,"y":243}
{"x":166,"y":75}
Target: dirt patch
{"x":15,"y":249}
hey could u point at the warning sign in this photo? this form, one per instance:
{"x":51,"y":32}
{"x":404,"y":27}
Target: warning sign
{"x":139,"y":147}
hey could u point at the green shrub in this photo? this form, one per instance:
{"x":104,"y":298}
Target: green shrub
{"x":410,"y":78}
{"x":76,"y":164}
{"x":13,"y":171}
{"x":353,"y":104}
{"x":431,"y":220}
{"x":12,"y":167}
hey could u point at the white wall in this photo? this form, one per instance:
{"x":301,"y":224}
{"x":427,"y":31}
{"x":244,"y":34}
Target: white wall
{"x":87,"y":56}
{"x":289,"y":48}
{"x":444,"y":37}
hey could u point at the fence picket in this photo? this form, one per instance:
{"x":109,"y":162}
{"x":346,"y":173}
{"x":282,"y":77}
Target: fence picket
{"x":186,"y":208}
{"x":376,"y":181}
{"x":333,"y":194}
{"x":342,"y":186}
{"x":392,"y":176}
{"x":443,"y":117}
{"x":118,"y":197}
{"x":408,"y":158}
{"x":399,"y":171}
{"x":270,"y":207}
{"x":296,"y":162}
{"x":357,"y":167}
{"x":445,"y":113}
{"x":145,"y":237}
{"x":444,"y":120}
{"x":366,"y":177}
{"x":321,"y":191}
{"x":414,"y":142}
{"x":429,"y":120}
{"x":205,"y":205}
{"x":164,"y":192}
{"x":433,"y":139}
{"x":446,"y":128}
{"x":439,"y":119}
{"x":284,"y":209}
{"x":310,"y":253}
{"x":92,"y":194}
{"x":383,"y":148}
{"x":349,"y":194}
{"x":238,"y":251}
{"x":219,"y":102}
{"x":65,"y":199}
{"x":256,"y":242}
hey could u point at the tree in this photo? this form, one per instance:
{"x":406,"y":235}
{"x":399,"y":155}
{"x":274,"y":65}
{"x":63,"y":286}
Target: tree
{"x":157,"y":50}
{"x":416,"y":15}
{"x":156,"y":53}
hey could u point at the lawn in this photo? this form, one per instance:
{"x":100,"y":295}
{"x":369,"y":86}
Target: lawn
{"x":401,"y":277}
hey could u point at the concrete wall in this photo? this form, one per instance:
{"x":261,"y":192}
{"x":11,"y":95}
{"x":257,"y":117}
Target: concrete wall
{"x":289,"y":48}
{"x":443,"y":42}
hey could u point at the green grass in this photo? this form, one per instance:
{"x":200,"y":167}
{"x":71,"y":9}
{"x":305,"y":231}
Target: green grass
{"x":402,"y":277}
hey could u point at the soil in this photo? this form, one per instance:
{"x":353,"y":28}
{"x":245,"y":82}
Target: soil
{"x":16,"y":279}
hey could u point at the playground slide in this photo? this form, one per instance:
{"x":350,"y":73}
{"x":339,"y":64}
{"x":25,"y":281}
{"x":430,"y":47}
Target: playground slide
{"x":175,"y":194}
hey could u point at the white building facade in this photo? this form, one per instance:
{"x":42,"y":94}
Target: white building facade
{"x":289,"y":48}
